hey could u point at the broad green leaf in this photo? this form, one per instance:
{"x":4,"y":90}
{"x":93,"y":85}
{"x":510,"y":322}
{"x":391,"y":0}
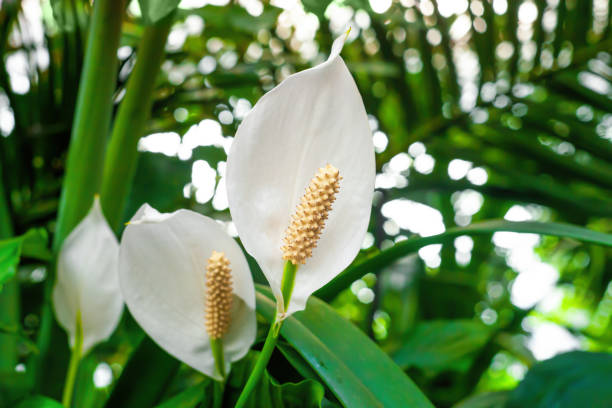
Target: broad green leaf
{"x":296,"y":360}
{"x":575,"y":379}
{"x":145,"y":377}
{"x":32,"y":244}
{"x":443,"y":345}
{"x":154,"y":10}
{"x":403,"y":248}
{"x":356,"y":370}
{"x":270,"y":394}
{"x":189,"y":398}
{"x":495,"y":399}
{"x":39,"y":401}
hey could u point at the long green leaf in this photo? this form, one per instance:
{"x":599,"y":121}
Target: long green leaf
{"x":39,"y":401}
{"x":92,"y":117}
{"x":576,"y":379}
{"x":403,"y":248}
{"x":358,"y":372}
{"x":120,"y":160}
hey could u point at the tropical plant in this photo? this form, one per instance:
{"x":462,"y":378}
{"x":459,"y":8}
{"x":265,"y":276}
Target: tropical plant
{"x":489,"y":239}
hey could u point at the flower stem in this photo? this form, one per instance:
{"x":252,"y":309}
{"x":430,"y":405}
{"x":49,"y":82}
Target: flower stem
{"x":288,"y":282}
{"x":75,"y":358}
{"x":216,"y":346}
{"x":219,"y":387}
{"x":261,"y":364}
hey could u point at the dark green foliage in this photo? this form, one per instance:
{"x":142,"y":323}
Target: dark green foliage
{"x":145,"y":377}
{"x":349,"y":363}
{"x":442,"y":345}
{"x":536,"y":119}
{"x":568,"y":380}
{"x":155,"y":10}
{"x":32,"y":244}
{"x":39,"y":402}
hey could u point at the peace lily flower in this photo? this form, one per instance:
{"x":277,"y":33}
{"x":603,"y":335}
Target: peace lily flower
{"x":86,"y":297}
{"x":300,"y":180}
{"x":188,"y":285}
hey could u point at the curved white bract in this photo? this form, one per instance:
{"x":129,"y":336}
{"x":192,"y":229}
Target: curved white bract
{"x":313,"y":118}
{"x":162,"y":266}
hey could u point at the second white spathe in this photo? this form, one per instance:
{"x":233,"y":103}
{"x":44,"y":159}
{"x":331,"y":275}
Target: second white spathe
{"x":162,"y":265}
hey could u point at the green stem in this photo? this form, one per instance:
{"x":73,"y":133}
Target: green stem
{"x":261,"y":364}
{"x":130,"y":123}
{"x":219,"y":388}
{"x":92,"y":117}
{"x":75,"y":358}
{"x":287,"y":283}
{"x":216,"y":346}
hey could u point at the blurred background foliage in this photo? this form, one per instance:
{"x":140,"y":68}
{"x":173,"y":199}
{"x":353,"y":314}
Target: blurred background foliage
{"x":479,"y":109}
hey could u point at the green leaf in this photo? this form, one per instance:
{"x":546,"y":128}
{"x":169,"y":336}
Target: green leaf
{"x":39,"y":401}
{"x":403,"y":248}
{"x":228,"y":21}
{"x":210,"y":154}
{"x":495,"y":399}
{"x":154,"y":10}
{"x":576,"y":379}
{"x":189,"y":398}
{"x":358,"y":372}
{"x":32,"y":244}
{"x":296,"y":360}
{"x":157,"y":182}
{"x":443,"y":345}
{"x":144,"y":378}
{"x":269,"y":393}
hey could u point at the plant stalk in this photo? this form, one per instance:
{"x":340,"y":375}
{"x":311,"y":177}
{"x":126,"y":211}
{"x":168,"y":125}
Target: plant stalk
{"x":219,"y":388}
{"x":92,"y":117}
{"x":121,"y":157}
{"x":216,"y":346}
{"x":287,"y":284}
{"x":260,"y":365}
{"x":75,"y":358}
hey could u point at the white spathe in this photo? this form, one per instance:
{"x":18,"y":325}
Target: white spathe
{"x":87,"y":280}
{"x":162,"y":267}
{"x":313,"y":118}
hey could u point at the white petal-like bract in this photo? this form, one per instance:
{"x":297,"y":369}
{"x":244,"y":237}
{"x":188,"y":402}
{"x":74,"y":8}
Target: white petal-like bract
{"x":313,"y":118}
{"x":87,"y":280}
{"x":162,"y":266}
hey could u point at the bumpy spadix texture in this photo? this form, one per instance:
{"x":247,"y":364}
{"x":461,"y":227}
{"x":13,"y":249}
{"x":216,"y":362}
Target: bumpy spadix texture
{"x":308,"y":221}
{"x":218,"y":295}
{"x":313,"y":118}
{"x":88,"y":281}
{"x":163,"y":264}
